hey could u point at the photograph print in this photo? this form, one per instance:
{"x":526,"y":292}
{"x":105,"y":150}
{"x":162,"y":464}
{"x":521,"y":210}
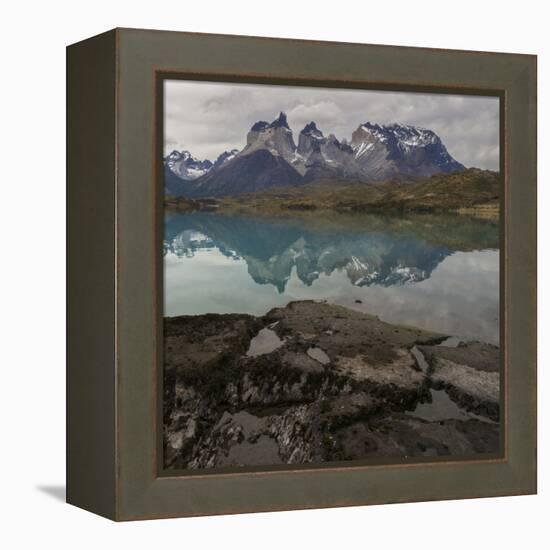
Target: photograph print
{"x":331,"y":276}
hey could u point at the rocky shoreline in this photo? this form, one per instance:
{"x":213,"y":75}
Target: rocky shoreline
{"x":314,"y":382}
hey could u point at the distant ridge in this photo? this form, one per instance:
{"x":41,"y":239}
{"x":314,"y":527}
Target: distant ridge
{"x":272,"y":158}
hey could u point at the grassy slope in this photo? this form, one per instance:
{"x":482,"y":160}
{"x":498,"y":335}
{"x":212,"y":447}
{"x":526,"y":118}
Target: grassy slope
{"x":471,"y":192}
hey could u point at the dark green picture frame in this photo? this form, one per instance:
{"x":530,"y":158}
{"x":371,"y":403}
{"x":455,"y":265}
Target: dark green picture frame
{"x":114,"y":271}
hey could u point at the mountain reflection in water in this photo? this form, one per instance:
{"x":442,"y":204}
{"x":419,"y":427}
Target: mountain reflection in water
{"x":434,"y":272}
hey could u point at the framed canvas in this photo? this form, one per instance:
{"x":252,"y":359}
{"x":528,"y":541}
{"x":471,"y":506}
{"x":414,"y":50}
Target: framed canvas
{"x":300,"y":274}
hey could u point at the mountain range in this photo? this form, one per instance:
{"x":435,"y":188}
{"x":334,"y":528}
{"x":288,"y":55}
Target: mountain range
{"x":271,"y":158}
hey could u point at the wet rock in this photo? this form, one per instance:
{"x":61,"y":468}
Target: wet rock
{"x":478,"y":355}
{"x":194,"y":346}
{"x":303,"y":361}
{"x":397,"y":381}
{"x":400,"y":436}
{"x":339,"y":331}
{"x":469,"y":373}
{"x":318,"y":355}
{"x":322,"y":383}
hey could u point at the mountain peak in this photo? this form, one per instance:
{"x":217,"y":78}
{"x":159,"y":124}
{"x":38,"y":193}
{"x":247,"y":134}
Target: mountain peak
{"x":400,"y":135}
{"x":405,"y":133}
{"x":186,"y":167}
{"x":174,"y":155}
{"x":180,"y":155}
{"x":280,"y":121}
{"x":259,"y":126}
{"x":312,"y":130}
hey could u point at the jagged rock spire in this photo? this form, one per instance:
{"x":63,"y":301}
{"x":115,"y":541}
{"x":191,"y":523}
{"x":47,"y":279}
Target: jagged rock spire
{"x":280,"y":121}
{"x":311,"y":129}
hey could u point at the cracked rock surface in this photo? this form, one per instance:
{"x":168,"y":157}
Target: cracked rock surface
{"x":469,"y":373}
{"x":314,"y":382}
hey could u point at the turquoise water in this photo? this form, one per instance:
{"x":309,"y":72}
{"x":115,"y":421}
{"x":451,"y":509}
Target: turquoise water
{"x":438,"y":273}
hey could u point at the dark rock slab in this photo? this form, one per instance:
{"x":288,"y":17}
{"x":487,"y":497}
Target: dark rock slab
{"x":478,"y":355}
{"x":469,"y":373}
{"x":338,"y":385}
{"x":339,"y":331}
{"x":399,"y":436}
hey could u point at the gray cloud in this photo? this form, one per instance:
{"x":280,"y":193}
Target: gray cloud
{"x":208,"y":118}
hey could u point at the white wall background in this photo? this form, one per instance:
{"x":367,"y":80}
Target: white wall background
{"x":32,"y":141}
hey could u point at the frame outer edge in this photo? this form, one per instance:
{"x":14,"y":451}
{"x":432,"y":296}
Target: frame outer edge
{"x":144,"y":496}
{"x":91,"y":296}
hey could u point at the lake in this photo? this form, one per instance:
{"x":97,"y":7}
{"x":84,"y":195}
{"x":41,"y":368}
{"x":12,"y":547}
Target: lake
{"x":439,"y":273}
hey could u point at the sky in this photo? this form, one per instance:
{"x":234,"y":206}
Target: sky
{"x":208,"y":118}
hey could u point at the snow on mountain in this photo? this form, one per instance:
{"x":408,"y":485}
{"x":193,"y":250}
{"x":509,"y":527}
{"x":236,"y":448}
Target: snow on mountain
{"x":186,"y":166}
{"x":226,"y":156}
{"x":397,"y":150}
{"x":271,"y":157}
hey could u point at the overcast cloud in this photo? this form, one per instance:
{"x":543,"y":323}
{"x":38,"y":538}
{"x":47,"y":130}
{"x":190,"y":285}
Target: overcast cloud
{"x":208,"y":118}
